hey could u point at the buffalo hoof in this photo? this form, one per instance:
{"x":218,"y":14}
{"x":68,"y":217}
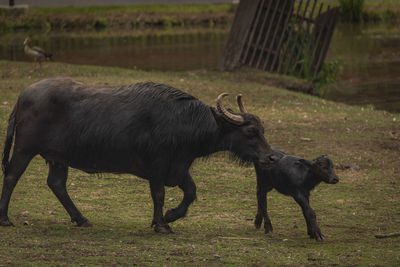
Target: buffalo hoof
{"x":163,"y":229}
{"x":85,"y":224}
{"x":6,"y":222}
{"x":258,"y":221}
{"x":318,"y":236}
{"x":82,"y":222}
{"x":268,"y":228}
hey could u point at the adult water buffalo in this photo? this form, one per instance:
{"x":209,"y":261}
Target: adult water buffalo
{"x":150,"y":130}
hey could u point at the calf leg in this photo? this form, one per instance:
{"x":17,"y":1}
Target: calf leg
{"x":189,"y":195}
{"x":158,"y":193}
{"x":262,"y":213}
{"x":310,"y":217}
{"x":18,"y":164}
{"x":57,"y":182}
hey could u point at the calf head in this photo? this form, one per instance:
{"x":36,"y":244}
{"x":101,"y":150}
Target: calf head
{"x":323,"y":169}
{"x":246,"y":134}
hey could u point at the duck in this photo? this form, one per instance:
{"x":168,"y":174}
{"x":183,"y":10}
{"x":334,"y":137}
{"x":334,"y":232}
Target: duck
{"x":38,"y":54}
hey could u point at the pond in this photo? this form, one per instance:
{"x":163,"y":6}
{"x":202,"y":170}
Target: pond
{"x":371,"y":58}
{"x":370,"y":54}
{"x":147,"y":50}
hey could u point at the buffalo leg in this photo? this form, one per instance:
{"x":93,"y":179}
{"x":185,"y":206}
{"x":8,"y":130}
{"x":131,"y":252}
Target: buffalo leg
{"x":262,"y":213}
{"x":57,"y":182}
{"x":18,"y":164}
{"x":158,"y":193}
{"x":310,"y":217}
{"x":189,"y":195}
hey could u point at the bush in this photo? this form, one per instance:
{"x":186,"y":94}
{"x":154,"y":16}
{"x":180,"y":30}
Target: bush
{"x":100,"y":23}
{"x":351,"y":10}
{"x":329,"y":74}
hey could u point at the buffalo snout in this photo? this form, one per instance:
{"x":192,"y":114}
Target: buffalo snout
{"x":333,"y":179}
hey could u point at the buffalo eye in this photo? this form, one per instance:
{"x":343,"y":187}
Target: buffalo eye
{"x":251,"y":132}
{"x":323,"y":165}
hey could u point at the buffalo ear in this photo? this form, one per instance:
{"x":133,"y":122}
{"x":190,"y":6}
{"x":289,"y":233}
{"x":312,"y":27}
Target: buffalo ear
{"x":217,"y":116}
{"x":220,"y":120}
{"x":306,"y":162}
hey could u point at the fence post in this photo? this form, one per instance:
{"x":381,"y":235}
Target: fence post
{"x":238,"y":35}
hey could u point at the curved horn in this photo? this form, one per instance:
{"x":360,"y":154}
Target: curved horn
{"x":240,"y":103}
{"x":233,"y":118}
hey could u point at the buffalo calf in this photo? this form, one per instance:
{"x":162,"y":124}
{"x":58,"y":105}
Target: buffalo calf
{"x":294,"y":177}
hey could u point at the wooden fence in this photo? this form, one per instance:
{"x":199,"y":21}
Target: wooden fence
{"x":280,"y":36}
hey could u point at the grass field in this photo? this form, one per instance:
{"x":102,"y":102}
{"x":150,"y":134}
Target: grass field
{"x":117,"y":17}
{"x":219,"y":227}
{"x":45,"y":19}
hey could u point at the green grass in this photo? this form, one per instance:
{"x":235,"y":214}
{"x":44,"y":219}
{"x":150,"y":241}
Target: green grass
{"x":219,"y":227}
{"x":143,"y":16}
{"x":117,"y":17}
{"x":373,"y":11}
{"x":130,"y":9}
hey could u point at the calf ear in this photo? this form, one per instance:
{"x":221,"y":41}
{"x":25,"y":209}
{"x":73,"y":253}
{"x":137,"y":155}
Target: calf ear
{"x":306,"y":162}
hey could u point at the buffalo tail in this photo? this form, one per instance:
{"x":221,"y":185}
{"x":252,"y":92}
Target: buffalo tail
{"x":8,"y":142}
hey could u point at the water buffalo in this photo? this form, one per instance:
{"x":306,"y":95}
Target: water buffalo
{"x":294,"y":177}
{"x":150,"y":130}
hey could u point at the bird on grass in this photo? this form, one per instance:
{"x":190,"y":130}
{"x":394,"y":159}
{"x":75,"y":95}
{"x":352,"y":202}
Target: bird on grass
{"x":38,"y":54}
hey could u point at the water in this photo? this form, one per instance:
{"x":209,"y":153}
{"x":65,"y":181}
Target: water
{"x":149,"y":50}
{"x":370,"y":54}
{"x":371,"y":58}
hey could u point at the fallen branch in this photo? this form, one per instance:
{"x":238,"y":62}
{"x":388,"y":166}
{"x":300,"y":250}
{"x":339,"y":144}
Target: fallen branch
{"x":387,"y":235}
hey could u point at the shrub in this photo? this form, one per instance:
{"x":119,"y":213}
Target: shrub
{"x":100,"y":23}
{"x":329,"y":74}
{"x":351,"y":10}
